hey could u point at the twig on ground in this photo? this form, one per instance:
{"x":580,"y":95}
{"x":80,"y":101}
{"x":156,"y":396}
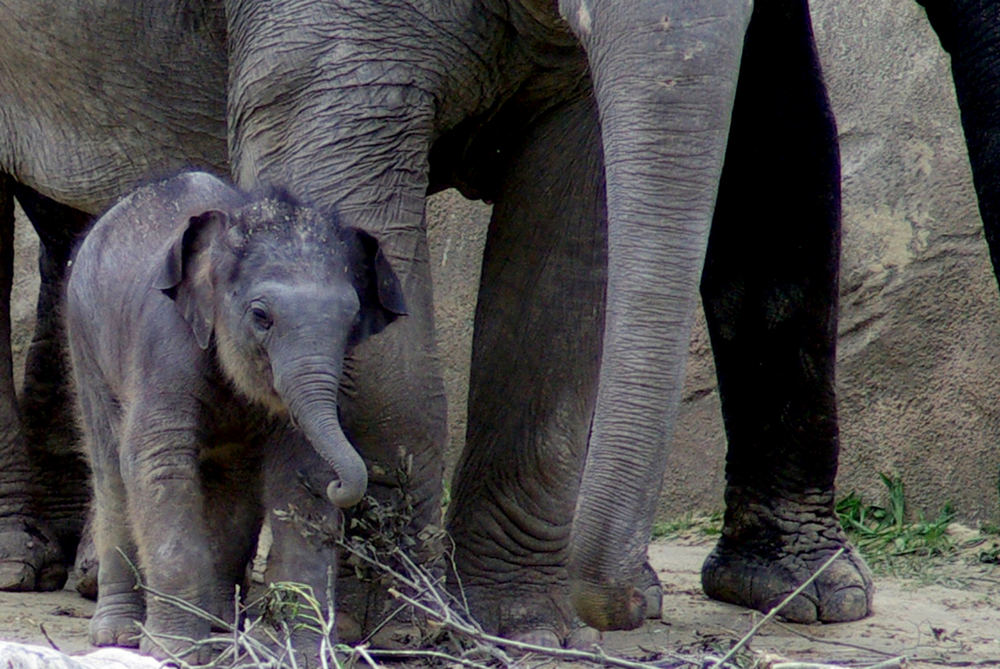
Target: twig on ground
{"x":236,"y":627}
{"x":833,"y":642}
{"x":777,"y":609}
{"x":288,"y":644}
{"x":894,"y":663}
{"x":459,"y":638}
{"x":479,"y":635}
{"x":45,"y":633}
{"x":427,"y":654}
{"x":363,"y":652}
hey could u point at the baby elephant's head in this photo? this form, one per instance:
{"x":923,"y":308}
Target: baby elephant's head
{"x":286,"y":293}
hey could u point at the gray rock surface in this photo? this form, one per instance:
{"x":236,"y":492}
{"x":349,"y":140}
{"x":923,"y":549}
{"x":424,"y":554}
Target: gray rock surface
{"x":920,"y":312}
{"x":920,"y":315}
{"x":456,"y":228}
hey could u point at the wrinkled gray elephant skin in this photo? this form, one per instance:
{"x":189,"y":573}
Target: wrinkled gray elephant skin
{"x":95,"y":97}
{"x":631,"y":150}
{"x":203,"y":324}
{"x":611,"y":139}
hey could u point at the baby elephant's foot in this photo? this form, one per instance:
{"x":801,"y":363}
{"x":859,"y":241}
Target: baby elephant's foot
{"x":167,"y":647}
{"x":180,"y":637}
{"x":765,"y":555}
{"x":30,"y":558}
{"x":116,"y":619}
{"x":114,"y":630}
{"x":580,"y":638}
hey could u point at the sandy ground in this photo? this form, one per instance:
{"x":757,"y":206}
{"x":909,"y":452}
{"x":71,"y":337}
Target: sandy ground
{"x":950,"y":616}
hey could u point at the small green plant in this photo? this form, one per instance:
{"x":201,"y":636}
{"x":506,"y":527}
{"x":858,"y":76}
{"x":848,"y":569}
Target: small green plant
{"x":990,"y":528}
{"x":883,"y":532}
{"x":688,"y":524}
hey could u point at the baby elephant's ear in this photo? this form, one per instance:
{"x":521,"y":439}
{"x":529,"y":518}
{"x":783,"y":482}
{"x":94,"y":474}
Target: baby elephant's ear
{"x":184,"y":275}
{"x":381,"y":295}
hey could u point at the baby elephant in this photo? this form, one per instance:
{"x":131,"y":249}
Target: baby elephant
{"x":203,"y":324}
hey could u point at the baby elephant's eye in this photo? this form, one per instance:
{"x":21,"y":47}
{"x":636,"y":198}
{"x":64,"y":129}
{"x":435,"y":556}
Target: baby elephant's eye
{"x":261,"y":318}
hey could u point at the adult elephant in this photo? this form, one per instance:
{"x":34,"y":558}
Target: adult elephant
{"x":600,"y":132}
{"x":94,"y":97}
{"x":969,"y":31}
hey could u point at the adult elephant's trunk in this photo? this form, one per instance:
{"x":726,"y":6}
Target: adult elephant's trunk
{"x":309,"y":388}
{"x":664,"y":76}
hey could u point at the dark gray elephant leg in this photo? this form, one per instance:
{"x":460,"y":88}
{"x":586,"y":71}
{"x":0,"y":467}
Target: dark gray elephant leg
{"x":406,"y":485}
{"x":30,"y":557}
{"x":46,"y":404}
{"x":359,"y":146}
{"x":770,"y":295}
{"x":536,"y":352}
{"x":397,"y":422}
{"x":970,"y":32}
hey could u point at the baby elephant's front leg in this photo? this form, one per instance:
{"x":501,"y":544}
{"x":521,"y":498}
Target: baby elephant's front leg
{"x":160,"y":468}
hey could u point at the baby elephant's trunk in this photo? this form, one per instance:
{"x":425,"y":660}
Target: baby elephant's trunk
{"x":311,"y":397}
{"x":329,"y":440}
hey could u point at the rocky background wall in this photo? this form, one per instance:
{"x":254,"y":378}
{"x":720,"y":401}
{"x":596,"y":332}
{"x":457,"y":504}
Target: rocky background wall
{"x":918,"y":378}
{"x":920,"y":312}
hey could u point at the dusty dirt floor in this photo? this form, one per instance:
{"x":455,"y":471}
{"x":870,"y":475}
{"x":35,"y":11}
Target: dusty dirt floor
{"x":947,"y":615}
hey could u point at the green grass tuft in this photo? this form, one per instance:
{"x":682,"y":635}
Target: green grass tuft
{"x":884,"y":535}
{"x":689,"y":524}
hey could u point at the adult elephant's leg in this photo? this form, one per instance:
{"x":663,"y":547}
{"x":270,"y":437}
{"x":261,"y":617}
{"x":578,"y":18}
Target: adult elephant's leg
{"x":536,"y":352}
{"x":46,"y":402}
{"x":770,"y":294}
{"x":970,"y":32}
{"x":30,"y":558}
{"x":353,"y":136}
{"x":393,"y":410}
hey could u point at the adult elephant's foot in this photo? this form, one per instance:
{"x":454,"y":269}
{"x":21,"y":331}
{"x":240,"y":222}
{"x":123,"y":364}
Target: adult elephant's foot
{"x":168,"y":645}
{"x":540,"y":615}
{"x":767,"y":550}
{"x":30,"y":557}
{"x":580,"y":638}
{"x":652,"y":591}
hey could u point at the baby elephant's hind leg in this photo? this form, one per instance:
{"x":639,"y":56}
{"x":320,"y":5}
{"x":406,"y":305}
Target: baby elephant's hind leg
{"x":120,"y":604}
